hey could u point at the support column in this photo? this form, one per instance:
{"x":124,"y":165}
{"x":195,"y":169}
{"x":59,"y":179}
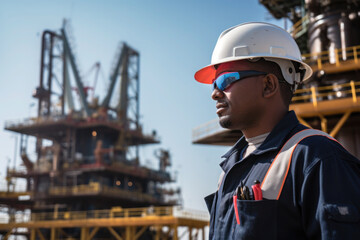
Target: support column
{"x":157,"y":236}
{"x":128,"y":233}
{"x":175,"y":237}
{"x":33,"y":234}
{"x":53,"y":234}
{"x":190,"y":233}
{"x":84,"y":233}
{"x":323,"y":123}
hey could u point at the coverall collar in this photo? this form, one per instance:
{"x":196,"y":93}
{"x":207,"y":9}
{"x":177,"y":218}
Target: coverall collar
{"x":274,"y":141}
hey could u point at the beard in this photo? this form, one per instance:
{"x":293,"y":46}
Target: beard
{"x":225,"y":122}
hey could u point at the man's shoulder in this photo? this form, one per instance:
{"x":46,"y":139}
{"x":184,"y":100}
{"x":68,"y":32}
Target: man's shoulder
{"x":316,"y":149}
{"x":317,"y":143}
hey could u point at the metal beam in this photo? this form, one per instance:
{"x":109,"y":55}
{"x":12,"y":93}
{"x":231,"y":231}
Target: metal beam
{"x":340,"y":123}
{"x":140,"y":232}
{"x":67,"y":95}
{"x":303,"y":122}
{"x":8,"y":234}
{"x":84,"y":233}
{"x":175,"y":236}
{"x":114,"y":233}
{"x":33,"y":234}
{"x":113,"y":77}
{"x":93,"y":232}
{"x":128,"y":233}
{"x":323,"y":123}
{"x":40,"y":234}
{"x":53,"y":234}
{"x":157,"y":235}
{"x":78,"y":81}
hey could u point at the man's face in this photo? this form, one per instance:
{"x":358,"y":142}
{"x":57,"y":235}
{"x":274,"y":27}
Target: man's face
{"x":240,"y":105}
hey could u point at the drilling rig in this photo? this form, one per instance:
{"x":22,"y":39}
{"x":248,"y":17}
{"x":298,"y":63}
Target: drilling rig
{"x":86,"y":180}
{"x":328,"y":35}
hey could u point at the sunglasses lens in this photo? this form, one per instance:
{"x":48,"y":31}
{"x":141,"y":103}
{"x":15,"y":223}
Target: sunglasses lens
{"x":223,"y":81}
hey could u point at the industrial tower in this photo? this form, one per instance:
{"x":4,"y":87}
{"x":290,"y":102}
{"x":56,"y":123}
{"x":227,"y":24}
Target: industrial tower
{"x":329,"y":38}
{"x":86,"y":181}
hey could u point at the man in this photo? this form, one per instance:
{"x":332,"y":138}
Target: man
{"x":310,"y":185}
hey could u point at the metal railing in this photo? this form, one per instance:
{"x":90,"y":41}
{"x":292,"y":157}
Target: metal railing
{"x":95,"y":187}
{"x":334,"y":56}
{"x":337,"y":57}
{"x":326,"y":93}
{"x":300,"y":27}
{"x":34,"y":120}
{"x":28,"y":122}
{"x":114,"y":213}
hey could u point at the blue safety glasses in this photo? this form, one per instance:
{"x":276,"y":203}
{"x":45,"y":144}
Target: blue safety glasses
{"x":224,"y":80}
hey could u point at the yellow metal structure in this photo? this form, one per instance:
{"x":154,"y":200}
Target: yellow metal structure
{"x":324,"y":101}
{"x":335,"y":99}
{"x":300,"y":27}
{"x":338,"y":60}
{"x":122,"y":224}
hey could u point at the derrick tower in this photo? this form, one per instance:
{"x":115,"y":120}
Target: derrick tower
{"x":329,"y":38}
{"x":93,"y":145}
{"x":86,"y":178}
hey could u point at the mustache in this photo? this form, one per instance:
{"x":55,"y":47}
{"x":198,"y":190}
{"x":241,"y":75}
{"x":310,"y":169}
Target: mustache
{"x":220,"y":104}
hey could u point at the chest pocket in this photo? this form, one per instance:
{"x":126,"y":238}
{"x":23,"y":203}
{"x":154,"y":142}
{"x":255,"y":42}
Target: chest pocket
{"x":258,"y":220}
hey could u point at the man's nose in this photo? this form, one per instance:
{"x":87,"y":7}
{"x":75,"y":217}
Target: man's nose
{"x":217,"y":94}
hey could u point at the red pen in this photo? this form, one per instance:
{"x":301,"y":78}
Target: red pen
{"x":235,"y":198}
{"x":257,"y":190}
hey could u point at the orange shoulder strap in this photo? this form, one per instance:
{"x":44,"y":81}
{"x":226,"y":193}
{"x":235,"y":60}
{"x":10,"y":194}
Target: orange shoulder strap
{"x":275,"y":177}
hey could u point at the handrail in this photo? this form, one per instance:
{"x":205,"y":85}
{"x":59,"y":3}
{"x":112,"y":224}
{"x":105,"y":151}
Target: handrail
{"x":114,"y":213}
{"x":336,"y":57}
{"x":299,"y":27}
{"x":325,"y":93}
{"x":95,"y":187}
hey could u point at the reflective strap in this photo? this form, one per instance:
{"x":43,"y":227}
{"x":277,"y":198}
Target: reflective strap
{"x":220,"y":179}
{"x":275,"y":177}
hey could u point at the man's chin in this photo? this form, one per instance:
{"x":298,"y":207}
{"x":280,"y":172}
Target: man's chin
{"x":225,"y":122}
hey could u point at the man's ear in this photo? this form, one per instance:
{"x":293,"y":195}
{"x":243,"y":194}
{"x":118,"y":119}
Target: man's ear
{"x":270,"y":85}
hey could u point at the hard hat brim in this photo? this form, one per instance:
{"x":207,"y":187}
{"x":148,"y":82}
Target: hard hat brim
{"x":207,"y":74}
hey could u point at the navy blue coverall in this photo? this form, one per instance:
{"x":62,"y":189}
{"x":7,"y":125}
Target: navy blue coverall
{"x":320,"y":198}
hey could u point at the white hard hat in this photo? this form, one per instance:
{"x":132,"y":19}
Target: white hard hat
{"x":257,"y":40}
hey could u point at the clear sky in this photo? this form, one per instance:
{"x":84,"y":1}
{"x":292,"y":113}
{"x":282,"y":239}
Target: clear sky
{"x":174,"y":38}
